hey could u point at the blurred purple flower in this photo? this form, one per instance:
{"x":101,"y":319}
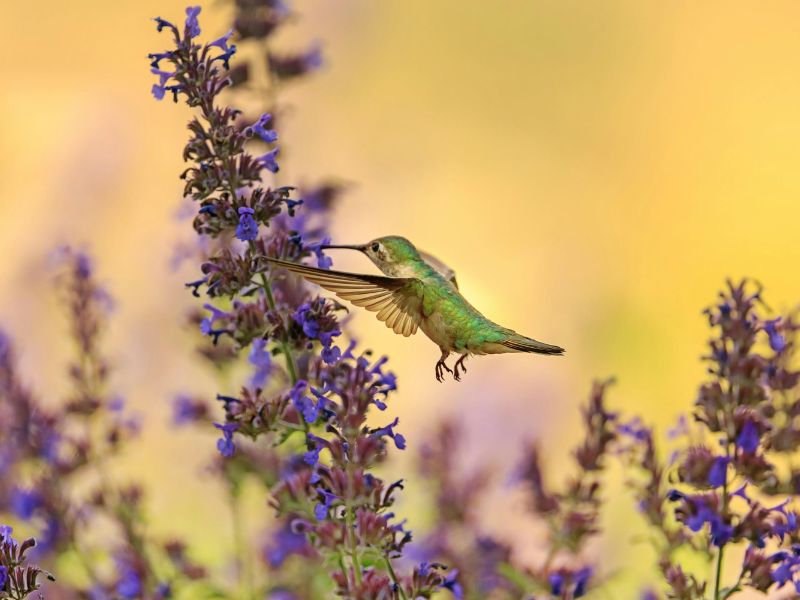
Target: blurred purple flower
{"x":776,"y":341}
{"x":225,"y":444}
{"x":25,"y":502}
{"x":269,"y":160}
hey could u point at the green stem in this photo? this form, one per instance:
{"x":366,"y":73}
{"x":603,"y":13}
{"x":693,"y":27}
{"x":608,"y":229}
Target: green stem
{"x":348,"y":516}
{"x":394,"y":577}
{"x":718,"y":576}
{"x":724,"y":511}
{"x":733,"y":589}
{"x":290,"y":364}
{"x":245,"y":570}
{"x":284,"y":342}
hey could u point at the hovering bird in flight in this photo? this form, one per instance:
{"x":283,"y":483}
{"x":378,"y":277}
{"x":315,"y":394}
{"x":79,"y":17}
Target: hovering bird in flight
{"x":419,"y":291}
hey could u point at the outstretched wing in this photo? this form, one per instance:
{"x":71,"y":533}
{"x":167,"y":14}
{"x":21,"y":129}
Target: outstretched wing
{"x":440,"y":267}
{"x":397,"y":300}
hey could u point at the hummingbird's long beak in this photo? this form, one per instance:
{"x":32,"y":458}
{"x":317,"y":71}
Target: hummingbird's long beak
{"x":360,"y":248}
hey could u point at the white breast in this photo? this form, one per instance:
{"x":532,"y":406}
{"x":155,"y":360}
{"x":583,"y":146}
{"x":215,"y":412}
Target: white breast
{"x":434,"y":327}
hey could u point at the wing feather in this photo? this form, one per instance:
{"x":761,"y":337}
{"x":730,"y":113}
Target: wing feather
{"x":393,"y":317}
{"x":396,"y":300}
{"x":377,"y":305}
{"x":408,"y":328}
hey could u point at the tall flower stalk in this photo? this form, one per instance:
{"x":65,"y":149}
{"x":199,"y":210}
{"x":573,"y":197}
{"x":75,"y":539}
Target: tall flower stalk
{"x":735,"y":461}
{"x":58,"y":461}
{"x":317,"y":399}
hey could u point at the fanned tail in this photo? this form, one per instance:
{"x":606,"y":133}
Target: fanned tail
{"x":520,"y":343}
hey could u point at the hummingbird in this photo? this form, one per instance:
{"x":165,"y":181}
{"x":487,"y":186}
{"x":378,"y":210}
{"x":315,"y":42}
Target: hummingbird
{"x":418,"y":291}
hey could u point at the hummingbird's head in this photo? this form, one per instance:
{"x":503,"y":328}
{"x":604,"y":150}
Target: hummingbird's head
{"x":392,"y":254}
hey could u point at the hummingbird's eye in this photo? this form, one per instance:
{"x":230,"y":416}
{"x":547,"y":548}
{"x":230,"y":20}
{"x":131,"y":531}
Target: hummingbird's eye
{"x":375,"y":246}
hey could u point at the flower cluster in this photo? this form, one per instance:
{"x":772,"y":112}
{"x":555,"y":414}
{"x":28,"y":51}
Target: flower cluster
{"x":299,"y":425}
{"x":307,"y":424}
{"x":735,"y":458}
{"x":457,"y":537}
{"x":51,"y":448}
{"x":573,"y":514}
{"x":489,"y":567}
{"x":17,"y":578}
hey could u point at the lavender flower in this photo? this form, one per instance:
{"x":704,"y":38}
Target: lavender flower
{"x":17,"y":578}
{"x":326,"y":488}
{"x":735,"y":412}
{"x":56,"y":448}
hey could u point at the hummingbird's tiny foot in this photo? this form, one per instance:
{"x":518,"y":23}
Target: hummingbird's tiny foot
{"x":441,"y":367}
{"x":460,"y":363}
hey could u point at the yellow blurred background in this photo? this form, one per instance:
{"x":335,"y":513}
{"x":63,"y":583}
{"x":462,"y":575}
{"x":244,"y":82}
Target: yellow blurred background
{"x":593,"y":172}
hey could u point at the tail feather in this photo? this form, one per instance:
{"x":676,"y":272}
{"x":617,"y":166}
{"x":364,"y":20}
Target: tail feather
{"x":520,"y":343}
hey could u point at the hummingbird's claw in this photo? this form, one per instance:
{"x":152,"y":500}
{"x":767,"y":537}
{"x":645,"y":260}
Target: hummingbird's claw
{"x":460,"y":363}
{"x":441,"y":367}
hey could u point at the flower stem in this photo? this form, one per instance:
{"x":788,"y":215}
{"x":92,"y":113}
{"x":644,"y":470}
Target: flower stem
{"x":353,"y":544}
{"x":287,"y":353}
{"x":284,"y":342}
{"x":394,"y":577}
{"x":724,"y":511}
{"x":244,"y":567}
{"x":718,"y":576}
